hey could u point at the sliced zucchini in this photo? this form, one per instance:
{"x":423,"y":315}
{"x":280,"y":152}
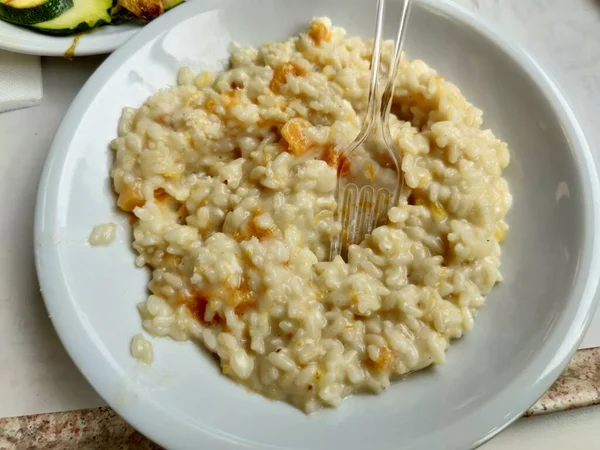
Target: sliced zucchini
{"x":171,"y":3}
{"x":83,"y":16}
{"x":28,"y":12}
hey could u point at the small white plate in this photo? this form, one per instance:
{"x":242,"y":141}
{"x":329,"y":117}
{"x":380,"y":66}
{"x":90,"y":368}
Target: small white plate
{"x":103,"y":40}
{"x":522,"y":339}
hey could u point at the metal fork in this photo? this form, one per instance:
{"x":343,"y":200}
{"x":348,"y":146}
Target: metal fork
{"x":361,"y":207}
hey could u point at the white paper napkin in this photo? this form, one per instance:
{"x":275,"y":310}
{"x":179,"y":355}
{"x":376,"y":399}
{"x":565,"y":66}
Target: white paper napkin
{"x":20,"y":81}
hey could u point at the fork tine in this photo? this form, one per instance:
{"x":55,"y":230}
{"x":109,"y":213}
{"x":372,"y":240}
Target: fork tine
{"x":382,"y":206}
{"x":366,"y":212}
{"x":363,"y":210}
{"x":349,"y":219}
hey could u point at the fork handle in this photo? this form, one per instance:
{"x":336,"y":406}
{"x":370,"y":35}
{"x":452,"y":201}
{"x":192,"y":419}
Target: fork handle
{"x":373,"y":100}
{"x":388,"y":93}
{"x":386,"y":99}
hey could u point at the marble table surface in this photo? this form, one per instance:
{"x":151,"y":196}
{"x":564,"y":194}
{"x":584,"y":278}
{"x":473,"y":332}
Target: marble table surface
{"x":101,"y":428}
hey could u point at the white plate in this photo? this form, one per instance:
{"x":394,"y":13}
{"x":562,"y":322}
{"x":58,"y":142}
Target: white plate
{"x":522,"y":339}
{"x":103,"y":40}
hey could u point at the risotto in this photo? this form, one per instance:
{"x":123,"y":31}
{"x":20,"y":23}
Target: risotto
{"x":230,"y":177}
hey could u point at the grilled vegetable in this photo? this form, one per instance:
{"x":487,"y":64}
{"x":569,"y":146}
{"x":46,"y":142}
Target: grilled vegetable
{"x":119,"y":15}
{"x":168,"y":4}
{"x":83,"y":16}
{"x":65,"y":17}
{"x":28,"y":12}
{"x":146,"y":10}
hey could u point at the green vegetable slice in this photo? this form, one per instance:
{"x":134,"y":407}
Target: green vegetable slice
{"x":171,"y":3}
{"x":28,"y":12}
{"x":83,"y":16}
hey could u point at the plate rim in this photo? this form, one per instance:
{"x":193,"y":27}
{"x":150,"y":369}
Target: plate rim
{"x":48,"y":45}
{"x":571,"y":333}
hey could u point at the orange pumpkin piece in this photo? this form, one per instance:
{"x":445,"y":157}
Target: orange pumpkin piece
{"x":131,"y":197}
{"x":383,"y":362}
{"x":333,"y":157}
{"x":292,"y":133}
{"x":319,"y":33}
{"x":281,"y":73}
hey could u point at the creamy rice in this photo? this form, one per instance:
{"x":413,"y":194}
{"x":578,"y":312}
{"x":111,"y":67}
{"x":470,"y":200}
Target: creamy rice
{"x":229,"y":178}
{"x":141,"y":349}
{"x":103,"y":234}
